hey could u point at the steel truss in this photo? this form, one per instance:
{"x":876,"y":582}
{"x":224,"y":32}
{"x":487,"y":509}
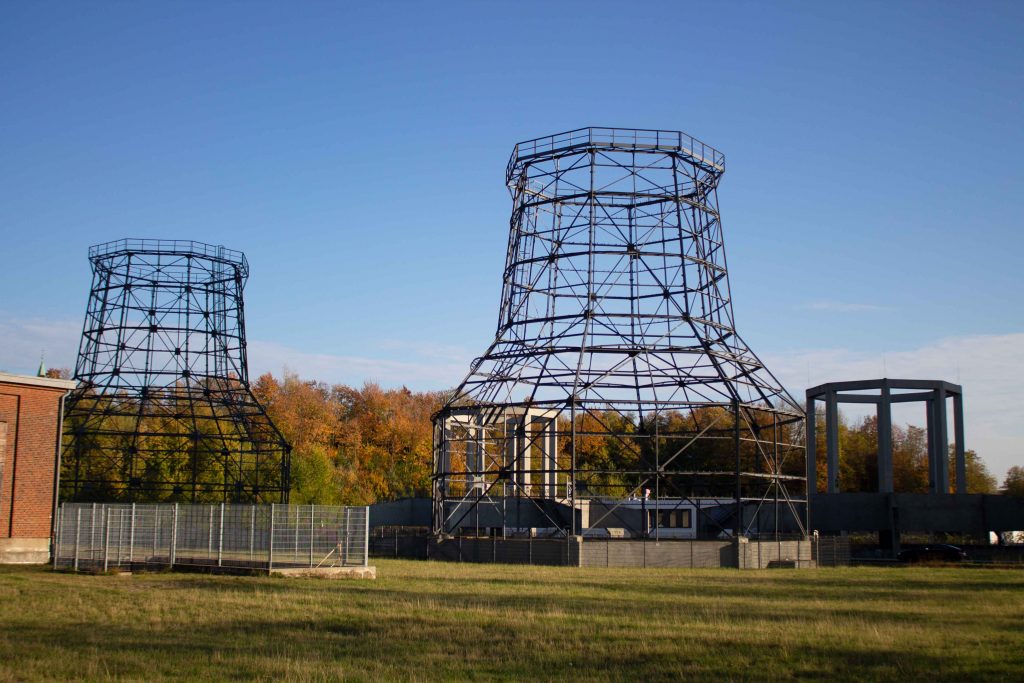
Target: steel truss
{"x":163,"y":411}
{"x":616,"y":371}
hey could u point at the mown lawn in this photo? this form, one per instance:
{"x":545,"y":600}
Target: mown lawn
{"x":427,"y":621}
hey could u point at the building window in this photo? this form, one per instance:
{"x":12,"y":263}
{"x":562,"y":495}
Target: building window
{"x":676,"y":519}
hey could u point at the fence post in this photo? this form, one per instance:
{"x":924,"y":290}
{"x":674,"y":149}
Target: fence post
{"x":120,"y":535}
{"x":312,"y":523}
{"x":220,"y":539}
{"x":156,"y":531}
{"x":348,"y":535}
{"x":252,"y":533}
{"x":366,"y":536}
{"x":106,"y":536}
{"x":209,"y":535}
{"x":92,"y":534}
{"x":174,"y":535}
{"x":343,"y":540}
{"x":78,"y":534}
{"x":270,"y":546}
{"x":56,"y":539}
{"x":131,"y":539}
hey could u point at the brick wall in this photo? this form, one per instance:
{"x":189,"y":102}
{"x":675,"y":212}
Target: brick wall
{"x":31,"y":413}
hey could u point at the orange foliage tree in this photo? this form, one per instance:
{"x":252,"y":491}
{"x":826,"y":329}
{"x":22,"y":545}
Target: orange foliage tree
{"x":352,"y":446}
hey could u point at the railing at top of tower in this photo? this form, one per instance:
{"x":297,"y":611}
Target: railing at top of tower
{"x":619,"y":138}
{"x":173,"y":247}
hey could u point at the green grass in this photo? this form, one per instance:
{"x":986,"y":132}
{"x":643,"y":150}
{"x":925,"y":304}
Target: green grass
{"x":427,"y":621}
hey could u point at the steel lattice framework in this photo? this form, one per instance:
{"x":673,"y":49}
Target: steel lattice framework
{"x":164,"y":411}
{"x":616,"y":368}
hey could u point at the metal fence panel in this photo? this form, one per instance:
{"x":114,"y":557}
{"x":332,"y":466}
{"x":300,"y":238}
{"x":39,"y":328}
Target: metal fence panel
{"x":101,"y":537}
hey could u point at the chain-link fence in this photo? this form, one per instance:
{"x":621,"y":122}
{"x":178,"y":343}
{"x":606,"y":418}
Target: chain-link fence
{"x":100,"y":537}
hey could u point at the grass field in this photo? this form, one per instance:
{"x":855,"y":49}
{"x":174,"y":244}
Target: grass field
{"x":428,"y":621}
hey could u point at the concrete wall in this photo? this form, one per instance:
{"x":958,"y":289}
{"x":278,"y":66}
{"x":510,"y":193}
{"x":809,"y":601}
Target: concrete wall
{"x":766,"y":554}
{"x":921,"y":512}
{"x":30,"y":411}
{"x":546,"y":551}
{"x":588,"y":552}
{"x":628,"y":553}
{"x":403,"y":512}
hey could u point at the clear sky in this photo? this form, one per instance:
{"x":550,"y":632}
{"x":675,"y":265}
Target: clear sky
{"x":355,"y":152}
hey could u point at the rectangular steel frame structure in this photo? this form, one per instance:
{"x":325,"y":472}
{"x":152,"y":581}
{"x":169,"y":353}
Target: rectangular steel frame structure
{"x":934,"y":393}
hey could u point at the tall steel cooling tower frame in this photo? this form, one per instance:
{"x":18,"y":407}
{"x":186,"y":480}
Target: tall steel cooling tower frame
{"x":616,"y":373}
{"x":164,"y":410}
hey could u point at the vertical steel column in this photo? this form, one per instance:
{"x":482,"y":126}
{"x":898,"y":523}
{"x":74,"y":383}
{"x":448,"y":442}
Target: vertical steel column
{"x":930,"y":422}
{"x":941,"y":440}
{"x":832,"y":439}
{"x":312,"y":524}
{"x":811,"y":446}
{"x":958,"y":435}
{"x":884,"y":424}
{"x":738,"y":531}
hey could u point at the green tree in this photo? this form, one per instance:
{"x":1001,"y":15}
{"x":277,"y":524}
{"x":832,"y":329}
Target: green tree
{"x":979,"y":479}
{"x":1013,"y":485}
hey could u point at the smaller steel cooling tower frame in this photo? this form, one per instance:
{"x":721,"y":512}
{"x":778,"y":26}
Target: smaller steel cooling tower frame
{"x":164,"y":411}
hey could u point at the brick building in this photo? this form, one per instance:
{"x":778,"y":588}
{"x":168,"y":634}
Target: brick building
{"x":30,"y":424}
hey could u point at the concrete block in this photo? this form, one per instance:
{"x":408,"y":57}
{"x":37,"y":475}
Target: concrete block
{"x":24,"y":550}
{"x":326,"y":572}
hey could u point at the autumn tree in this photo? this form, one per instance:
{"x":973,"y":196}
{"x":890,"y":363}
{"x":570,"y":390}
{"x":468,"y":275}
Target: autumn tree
{"x":1013,"y":485}
{"x":352,"y":446}
{"x":858,"y":458}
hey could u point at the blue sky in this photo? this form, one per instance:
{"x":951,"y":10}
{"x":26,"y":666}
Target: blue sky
{"x":872,"y":200}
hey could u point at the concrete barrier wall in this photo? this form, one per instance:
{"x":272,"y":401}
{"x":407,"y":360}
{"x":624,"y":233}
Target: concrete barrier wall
{"x":629,"y":553}
{"x":580,"y":552}
{"x":546,"y":551}
{"x":916,"y":512}
{"x":765,"y":554}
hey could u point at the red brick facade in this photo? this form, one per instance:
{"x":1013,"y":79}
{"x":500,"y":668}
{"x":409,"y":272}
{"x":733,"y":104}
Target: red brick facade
{"x":30,"y":415}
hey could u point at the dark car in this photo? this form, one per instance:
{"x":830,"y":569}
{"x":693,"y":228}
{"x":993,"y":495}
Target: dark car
{"x":940,"y":552}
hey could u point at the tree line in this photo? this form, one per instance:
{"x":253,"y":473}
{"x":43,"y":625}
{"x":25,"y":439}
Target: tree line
{"x":858,"y":459}
{"x":357,"y":446}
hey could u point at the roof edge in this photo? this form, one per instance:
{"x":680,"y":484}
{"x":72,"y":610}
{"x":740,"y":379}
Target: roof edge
{"x":29,"y":380}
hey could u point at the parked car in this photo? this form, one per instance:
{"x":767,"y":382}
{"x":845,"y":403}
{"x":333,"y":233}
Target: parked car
{"x":939,"y":552}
